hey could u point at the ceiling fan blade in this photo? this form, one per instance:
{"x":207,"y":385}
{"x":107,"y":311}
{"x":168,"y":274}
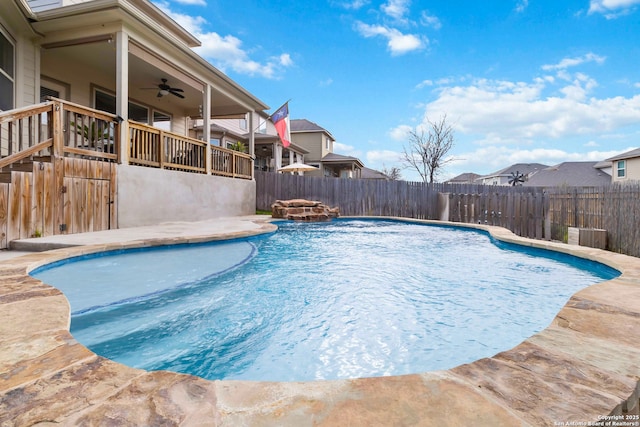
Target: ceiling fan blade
{"x":175,"y":89}
{"x":176,"y":94}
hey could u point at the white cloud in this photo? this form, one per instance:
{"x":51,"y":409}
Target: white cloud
{"x":591,"y":144}
{"x":490,"y":159}
{"x":505,"y":112}
{"x":424,"y":84}
{"x":396,"y":9}
{"x":612,"y":9}
{"x":397,"y":42}
{"x":522,"y":5}
{"x":431,"y":21}
{"x":345,"y":149}
{"x":400,"y":133}
{"x":377,"y":158}
{"x":327,"y":82}
{"x":192,"y":2}
{"x":227,"y":52}
{"x":351,"y":5}
{"x":574,"y":62}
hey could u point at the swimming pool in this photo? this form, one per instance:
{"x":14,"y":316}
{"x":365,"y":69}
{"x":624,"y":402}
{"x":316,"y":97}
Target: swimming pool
{"x":368,"y":298}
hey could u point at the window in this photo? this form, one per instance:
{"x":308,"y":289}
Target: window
{"x":621,"y":166}
{"x":263,"y":126}
{"x":54,"y":88}
{"x":45,"y":92}
{"x":161,"y":120}
{"x":105,"y":102}
{"x":327,"y":143}
{"x":137,"y":112}
{"x":7,"y":60}
{"x":242,"y":123}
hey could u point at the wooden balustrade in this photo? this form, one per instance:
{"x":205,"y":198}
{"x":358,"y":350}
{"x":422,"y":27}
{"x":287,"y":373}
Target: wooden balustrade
{"x":91,"y":134}
{"x":234,"y":164}
{"x":25,"y":132}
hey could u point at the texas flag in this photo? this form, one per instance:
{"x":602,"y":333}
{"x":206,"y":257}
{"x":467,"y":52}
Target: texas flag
{"x":281,"y":120}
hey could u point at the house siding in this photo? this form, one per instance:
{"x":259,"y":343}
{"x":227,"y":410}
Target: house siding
{"x":41,"y":5}
{"x":632,"y":172}
{"x":29,"y":75}
{"x":312,"y":142}
{"x":26,"y":75}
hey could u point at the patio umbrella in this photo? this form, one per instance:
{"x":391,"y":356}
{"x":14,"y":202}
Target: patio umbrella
{"x":297,"y":167}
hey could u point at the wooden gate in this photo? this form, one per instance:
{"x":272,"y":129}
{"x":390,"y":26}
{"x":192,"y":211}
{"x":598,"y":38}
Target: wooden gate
{"x":87,"y":200}
{"x":88,"y":196}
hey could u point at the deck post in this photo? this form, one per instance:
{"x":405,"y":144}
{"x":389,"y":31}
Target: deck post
{"x":57,"y":157}
{"x":122,"y":94}
{"x":206,"y":126}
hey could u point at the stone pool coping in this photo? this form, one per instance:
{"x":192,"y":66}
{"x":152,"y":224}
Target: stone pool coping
{"x":584,"y":367}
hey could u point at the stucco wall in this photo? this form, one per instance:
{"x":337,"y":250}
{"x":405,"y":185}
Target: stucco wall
{"x":149,"y":196}
{"x":632,"y":170}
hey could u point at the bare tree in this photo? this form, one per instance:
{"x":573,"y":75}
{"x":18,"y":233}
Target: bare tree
{"x":393,"y":173}
{"x":428,"y":150}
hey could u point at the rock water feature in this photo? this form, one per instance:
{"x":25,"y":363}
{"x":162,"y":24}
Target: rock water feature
{"x":303,"y":210}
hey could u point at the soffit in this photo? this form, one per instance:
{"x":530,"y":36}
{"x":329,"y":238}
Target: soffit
{"x":97,"y":12}
{"x":172,"y":60}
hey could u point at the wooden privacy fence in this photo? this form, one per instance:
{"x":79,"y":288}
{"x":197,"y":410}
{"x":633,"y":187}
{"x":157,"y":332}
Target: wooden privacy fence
{"x":355,"y":197}
{"x":527,"y":211}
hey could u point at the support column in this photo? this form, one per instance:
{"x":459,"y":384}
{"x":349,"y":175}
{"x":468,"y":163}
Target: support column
{"x":252,"y":142}
{"x":277,"y":155}
{"x":206,"y":125}
{"x":122,"y":94}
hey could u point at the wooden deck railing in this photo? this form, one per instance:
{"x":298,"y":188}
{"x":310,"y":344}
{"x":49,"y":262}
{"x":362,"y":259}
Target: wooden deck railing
{"x":57,"y":128}
{"x":234,"y":164}
{"x":158,"y":148}
{"x":61,"y":128}
{"x":89,"y":133}
{"x":25,"y":132}
{"x":167,"y":150}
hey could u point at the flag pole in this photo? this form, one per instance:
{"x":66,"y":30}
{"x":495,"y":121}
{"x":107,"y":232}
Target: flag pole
{"x":279,"y":108}
{"x":271,"y":115}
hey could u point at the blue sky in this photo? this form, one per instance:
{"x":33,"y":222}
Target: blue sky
{"x":519,"y":80}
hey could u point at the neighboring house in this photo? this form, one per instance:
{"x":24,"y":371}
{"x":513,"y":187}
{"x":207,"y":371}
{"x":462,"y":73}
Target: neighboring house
{"x":626,"y":166}
{"x":368,"y":173}
{"x":319,"y":143}
{"x":339,"y":166}
{"x":129,"y":59}
{"x":464,"y":178}
{"x":504,"y":176}
{"x":270,"y":154}
{"x":570,"y":174}
{"x":605,"y":167}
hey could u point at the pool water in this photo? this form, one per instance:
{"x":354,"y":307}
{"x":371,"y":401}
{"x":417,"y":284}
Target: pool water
{"x":346,"y":299}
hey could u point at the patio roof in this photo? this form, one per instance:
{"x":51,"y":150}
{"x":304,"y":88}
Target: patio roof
{"x":626,"y":155}
{"x":158,"y":48}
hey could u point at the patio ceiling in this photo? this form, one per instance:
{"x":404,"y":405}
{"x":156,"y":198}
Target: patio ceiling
{"x":84,"y":33}
{"x":146,"y":71}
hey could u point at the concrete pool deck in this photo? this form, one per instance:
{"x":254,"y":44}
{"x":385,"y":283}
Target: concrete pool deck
{"x":583,"y":368}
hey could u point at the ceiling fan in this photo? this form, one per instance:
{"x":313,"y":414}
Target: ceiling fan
{"x":164,"y":89}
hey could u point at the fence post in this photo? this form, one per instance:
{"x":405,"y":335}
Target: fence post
{"x":57,"y":157}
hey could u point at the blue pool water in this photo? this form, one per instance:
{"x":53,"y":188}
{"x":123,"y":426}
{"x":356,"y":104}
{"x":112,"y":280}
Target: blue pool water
{"x":350,"y":298}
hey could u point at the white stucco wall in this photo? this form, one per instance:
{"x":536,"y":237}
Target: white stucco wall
{"x":148,"y":196}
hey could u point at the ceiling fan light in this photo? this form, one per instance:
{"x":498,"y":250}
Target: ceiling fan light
{"x":163,"y":92}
